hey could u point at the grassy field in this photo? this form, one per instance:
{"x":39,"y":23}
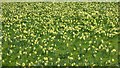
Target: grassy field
{"x":60,"y":34}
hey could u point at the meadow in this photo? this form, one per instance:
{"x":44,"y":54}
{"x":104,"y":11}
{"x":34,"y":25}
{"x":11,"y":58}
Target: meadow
{"x":60,"y":34}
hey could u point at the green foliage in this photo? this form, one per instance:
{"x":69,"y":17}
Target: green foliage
{"x":62,"y":34}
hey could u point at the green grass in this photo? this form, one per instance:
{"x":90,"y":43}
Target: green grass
{"x":65,"y":34}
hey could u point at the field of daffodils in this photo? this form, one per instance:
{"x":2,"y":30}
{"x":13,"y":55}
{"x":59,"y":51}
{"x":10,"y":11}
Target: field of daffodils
{"x":60,"y":34}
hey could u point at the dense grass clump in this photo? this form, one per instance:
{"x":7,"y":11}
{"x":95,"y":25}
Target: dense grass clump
{"x":61,"y":34}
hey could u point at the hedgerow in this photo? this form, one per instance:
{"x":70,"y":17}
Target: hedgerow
{"x":60,"y":34}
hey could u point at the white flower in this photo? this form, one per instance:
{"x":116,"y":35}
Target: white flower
{"x":20,"y":52}
{"x":88,"y":49}
{"x":100,"y":47}
{"x":38,"y":58}
{"x":24,"y":24}
{"x":94,"y":64}
{"x":84,"y":49}
{"x":96,"y":48}
{"x":50,"y":48}
{"x":54,"y":49}
{"x":94,"y":55}
{"x":41,"y":46}
{"x":74,"y":48}
{"x":24,"y":52}
{"x":50,"y":58}
{"x":83,"y":37}
{"x":71,"y":58}
{"x":86,"y":60}
{"x":67,"y":44}
{"x":18,"y":56}
{"x":113,"y":60}
{"x":93,"y":46}
{"x":100,"y":58}
{"x":95,"y":51}
{"x":29,"y":64}
{"x":114,"y":50}
{"x":7,"y":54}
{"x":79,"y":58}
{"x":107,"y":50}
{"x":23,"y":64}
{"x":29,"y":54}
{"x":36,"y":41}
{"x":108,"y":61}
{"x":64,"y":64}
{"x":35,"y":52}
{"x":102,"y":41}
{"x":0,"y":58}
{"x":25,"y":31}
{"x":45,"y":58}
{"x":11,"y":51}
{"x":0,"y":43}
{"x":73,"y":64}
{"x":3,"y":61}
{"x":79,"y":44}
{"x":58,"y":59}
{"x":83,"y":55}
{"x":58,"y":65}
{"x":36,"y":61}
{"x":46,"y":51}
{"x":32,"y":35}
{"x":17,"y":63}
{"x":71,"y":54}
{"x":46,"y":64}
